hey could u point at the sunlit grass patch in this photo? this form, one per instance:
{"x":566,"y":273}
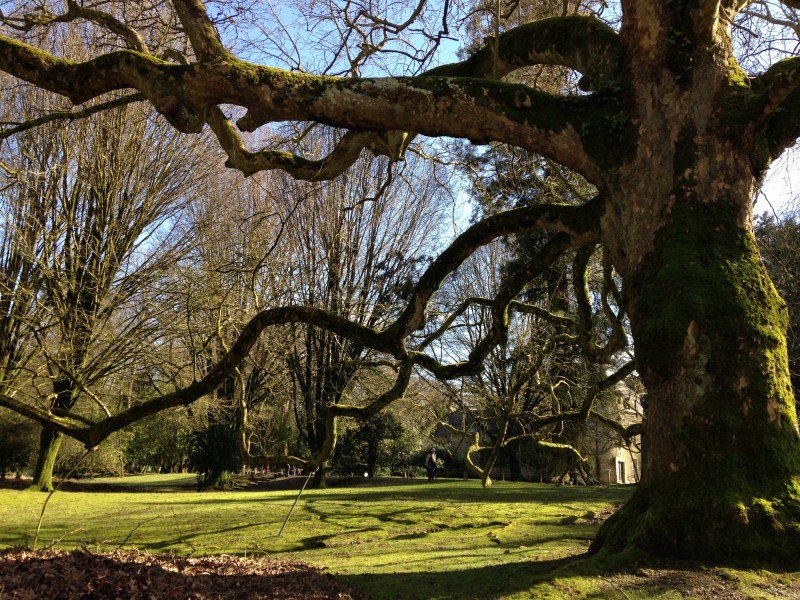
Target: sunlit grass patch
{"x":448,"y":540}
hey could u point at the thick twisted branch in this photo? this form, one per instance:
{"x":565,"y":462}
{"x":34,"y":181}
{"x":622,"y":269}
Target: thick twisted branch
{"x":391,"y":341}
{"x":579,"y":42}
{"x":778,"y":105}
{"x":514,"y":305}
{"x":479,"y":110}
{"x":498,"y":331}
{"x":578,"y":222}
{"x":342,"y":157}
{"x":68,"y":115}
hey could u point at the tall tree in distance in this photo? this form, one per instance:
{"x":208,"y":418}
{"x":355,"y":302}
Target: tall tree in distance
{"x":779,"y":239}
{"x":358,"y":243}
{"x":100,"y":190}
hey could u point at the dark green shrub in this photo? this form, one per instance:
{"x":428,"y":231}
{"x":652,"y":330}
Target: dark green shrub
{"x":213,"y":453}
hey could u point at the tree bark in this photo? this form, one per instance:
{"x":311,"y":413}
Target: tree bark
{"x":320,"y":481}
{"x":49,"y":444}
{"x":721,"y":478}
{"x":675,"y":136}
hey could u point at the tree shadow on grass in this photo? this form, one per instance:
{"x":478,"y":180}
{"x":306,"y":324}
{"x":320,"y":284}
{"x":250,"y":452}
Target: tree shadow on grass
{"x":487,"y":582}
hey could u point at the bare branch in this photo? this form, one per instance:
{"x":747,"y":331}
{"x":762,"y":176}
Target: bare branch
{"x":577,"y":222}
{"x":604,"y":384}
{"x":10,"y":130}
{"x":515,"y":305}
{"x":626,"y":432}
{"x":71,"y":425}
{"x":498,"y":331}
{"x":43,"y":17}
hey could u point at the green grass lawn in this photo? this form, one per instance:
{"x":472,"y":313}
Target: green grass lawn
{"x":449,"y":539}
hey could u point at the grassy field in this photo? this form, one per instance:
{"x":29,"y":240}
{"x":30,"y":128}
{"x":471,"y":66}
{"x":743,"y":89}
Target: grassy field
{"x":449,"y":539}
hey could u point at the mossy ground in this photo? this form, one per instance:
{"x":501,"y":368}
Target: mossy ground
{"x":399,"y":539}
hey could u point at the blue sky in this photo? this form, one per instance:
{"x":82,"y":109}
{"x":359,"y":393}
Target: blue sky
{"x":781,"y":185}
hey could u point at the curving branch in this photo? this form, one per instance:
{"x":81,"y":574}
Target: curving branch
{"x":72,"y":425}
{"x":579,"y":42}
{"x":576,"y":225}
{"x":626,"y":432}
{"x":391,"y":144}
{"x":461,"y":107}
{"x":514,"y":305}
{"x":92,"y":434}
{"x":579,"y":223}
{"x":201,"y":32}
{"x":498,"y":331}
{"x":779,"y":104}
{"x":604,"y":384}
{"x":43,"y":17}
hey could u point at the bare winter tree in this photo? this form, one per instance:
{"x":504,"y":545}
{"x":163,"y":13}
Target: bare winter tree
{"x":357,"y":245}
{"x":100,"y":193}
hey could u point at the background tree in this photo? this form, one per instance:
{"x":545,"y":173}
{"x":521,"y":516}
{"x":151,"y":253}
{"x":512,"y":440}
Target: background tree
{"x":778,"y":239}
{"x":214,"y":452}
{"x":17,"y":443}
{"x":160,"y":443}
{"x":376,"y":442}
{"x":237,"y":264}
{"x":357,"y":243}
{"x":101,"y":194}
{"x":535,"y":385}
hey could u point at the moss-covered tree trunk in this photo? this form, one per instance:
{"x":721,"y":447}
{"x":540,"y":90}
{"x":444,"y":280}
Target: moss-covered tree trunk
{"x":49,"y":445}
{"x":722,"y":449}
{"x":50,"y":439}
{"x":721,"y":477}
{"x":722,"y":470}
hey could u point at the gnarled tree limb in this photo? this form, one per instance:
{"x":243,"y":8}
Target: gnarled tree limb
{"x":579,"y":42}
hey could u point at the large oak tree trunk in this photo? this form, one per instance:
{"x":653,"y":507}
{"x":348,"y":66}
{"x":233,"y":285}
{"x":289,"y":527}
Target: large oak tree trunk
{"x":721,"y":477}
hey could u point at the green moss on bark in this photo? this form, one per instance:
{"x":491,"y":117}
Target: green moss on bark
{"x":709,"y":330}
{"x":690,"y":519}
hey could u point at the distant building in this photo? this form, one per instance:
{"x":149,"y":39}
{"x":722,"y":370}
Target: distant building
{"x":612,"y":461}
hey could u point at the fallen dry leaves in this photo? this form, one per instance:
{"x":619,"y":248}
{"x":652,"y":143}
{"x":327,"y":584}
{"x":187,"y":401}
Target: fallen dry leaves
{"x":25,"y":574}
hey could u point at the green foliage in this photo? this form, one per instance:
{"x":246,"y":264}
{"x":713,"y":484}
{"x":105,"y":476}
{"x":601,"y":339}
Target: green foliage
{"x":378,"y":443}
{"x":18,"y":442}
{"x":107,"y":459}
{"x":160,"y":443}
{"x":213,"y":453}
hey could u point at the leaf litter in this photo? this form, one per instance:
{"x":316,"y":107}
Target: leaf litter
{"x":129,"y":574}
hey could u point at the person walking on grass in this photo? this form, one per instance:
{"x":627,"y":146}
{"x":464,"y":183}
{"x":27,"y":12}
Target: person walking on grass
{"x":430,"y":464}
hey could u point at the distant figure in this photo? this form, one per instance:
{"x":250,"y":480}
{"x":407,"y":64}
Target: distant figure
{"x":430,"y":464}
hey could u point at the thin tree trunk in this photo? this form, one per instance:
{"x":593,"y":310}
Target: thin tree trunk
{"x":49,"y":444}
{"x":320,"y":481}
